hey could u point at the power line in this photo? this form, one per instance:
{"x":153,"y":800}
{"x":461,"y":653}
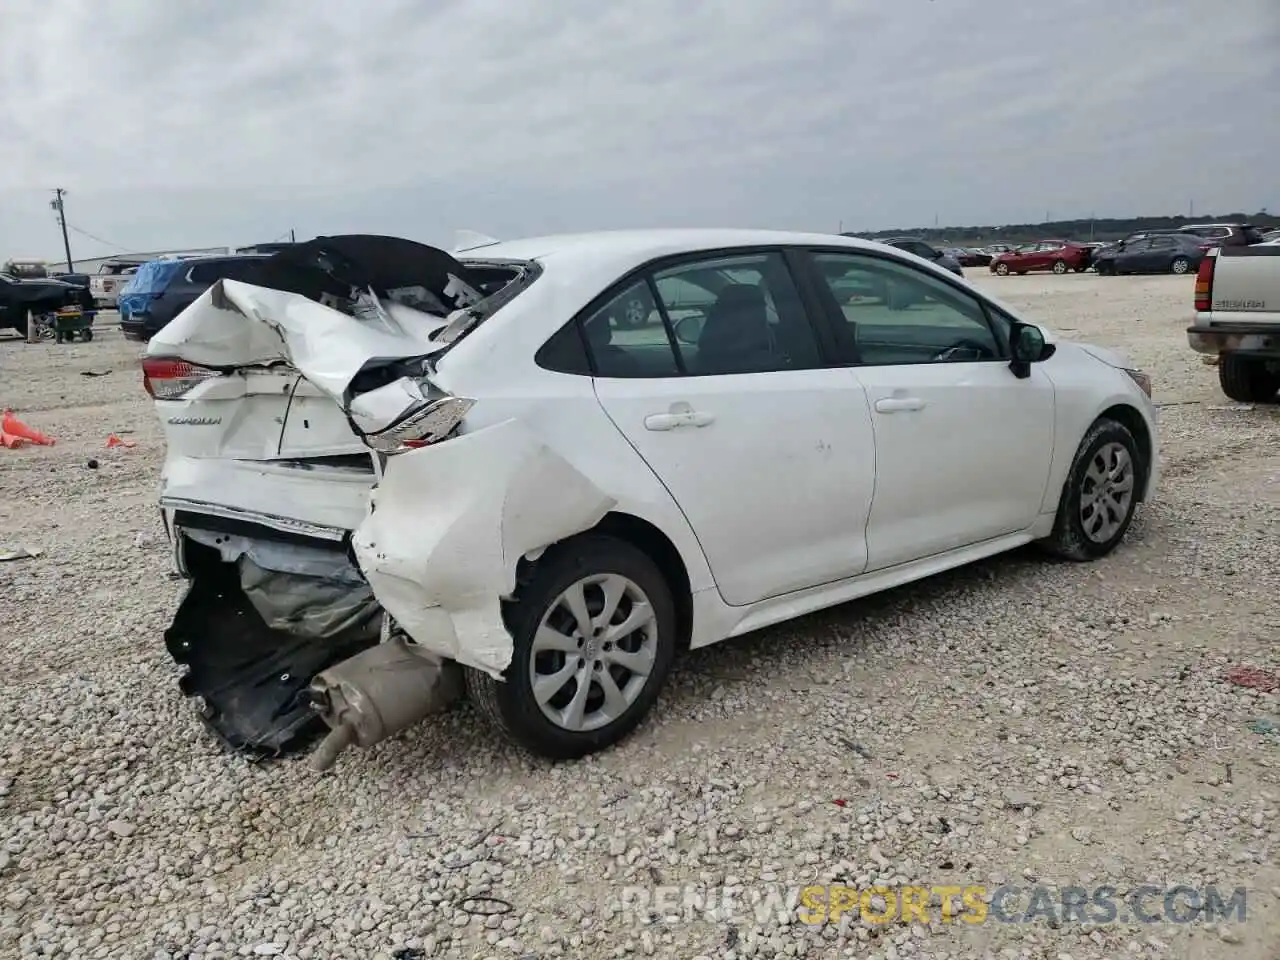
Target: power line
{"x":86,"y":233}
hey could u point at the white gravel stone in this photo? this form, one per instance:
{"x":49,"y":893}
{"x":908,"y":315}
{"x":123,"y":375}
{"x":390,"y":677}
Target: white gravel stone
{"x":1021,"y":720}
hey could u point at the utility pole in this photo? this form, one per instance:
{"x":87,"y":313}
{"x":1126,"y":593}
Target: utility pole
{"x":292,"y":238}
{"x":56,"y":203}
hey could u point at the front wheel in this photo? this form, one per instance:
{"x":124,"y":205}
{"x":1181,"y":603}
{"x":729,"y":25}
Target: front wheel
{"x":1059,"y":266}
{"x":1100,"y":494}
{"x":1180,"y":265}
{"x":594,"y":636}
{"x":1002,"y":269}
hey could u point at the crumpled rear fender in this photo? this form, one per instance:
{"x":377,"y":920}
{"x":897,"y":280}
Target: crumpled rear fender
{"x":450,"y":522}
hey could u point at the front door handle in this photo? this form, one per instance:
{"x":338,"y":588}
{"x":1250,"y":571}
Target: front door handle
{"x":670,"y":421}
{"x":899,"y":404}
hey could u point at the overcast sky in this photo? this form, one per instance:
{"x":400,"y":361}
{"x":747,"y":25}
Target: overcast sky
{"x":208,"y":122}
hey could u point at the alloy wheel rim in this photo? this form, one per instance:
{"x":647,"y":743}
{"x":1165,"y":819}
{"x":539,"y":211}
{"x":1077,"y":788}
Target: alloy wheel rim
{"x":636,"y":313}
{"x":593,"y":652}
{"x":1106,"y":493}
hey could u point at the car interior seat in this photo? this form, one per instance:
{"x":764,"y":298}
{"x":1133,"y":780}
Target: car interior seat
{"x":735,"y":337}
{"x":611,"y":360}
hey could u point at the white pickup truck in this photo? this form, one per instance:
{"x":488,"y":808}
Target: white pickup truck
{"x":1237,"y":303}
{"x":110,"y":279}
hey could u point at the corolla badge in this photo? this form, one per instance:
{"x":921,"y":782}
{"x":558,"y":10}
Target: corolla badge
{"x":194,"y":421}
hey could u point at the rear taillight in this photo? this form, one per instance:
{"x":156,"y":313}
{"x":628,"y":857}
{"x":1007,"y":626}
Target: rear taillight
{"x":1204,"y":283}
{"x":166,"y":378}
{"x":1206,"y":247}
{"x":432,"y":423}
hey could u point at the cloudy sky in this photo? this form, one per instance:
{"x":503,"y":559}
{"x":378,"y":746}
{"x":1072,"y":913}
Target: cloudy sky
{"x":207,"y":122}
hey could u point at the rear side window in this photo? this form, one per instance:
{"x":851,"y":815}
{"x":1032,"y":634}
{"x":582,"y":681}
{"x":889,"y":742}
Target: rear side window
{"x":748,"y":319}
{"x":719,"y":315}
{"x":628,"y":336}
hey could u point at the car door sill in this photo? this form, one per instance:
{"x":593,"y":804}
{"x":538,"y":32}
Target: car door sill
{"x":777,"y":609}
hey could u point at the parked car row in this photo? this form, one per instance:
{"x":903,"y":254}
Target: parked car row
{"x":1165,"y":251}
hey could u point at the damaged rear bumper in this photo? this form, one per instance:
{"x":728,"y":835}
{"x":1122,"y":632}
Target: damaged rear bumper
{"x":283,"y":632}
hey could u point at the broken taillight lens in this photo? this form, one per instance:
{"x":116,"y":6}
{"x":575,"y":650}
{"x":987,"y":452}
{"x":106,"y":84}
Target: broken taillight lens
{"x":430,"y":424}
{"x":167,"y":378}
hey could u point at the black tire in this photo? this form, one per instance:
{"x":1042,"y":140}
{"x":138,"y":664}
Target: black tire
{"x":88,"y":335}
{"x":1060,"y":267}
{"x":1002,"y":269}
{"x":1069,"y":539}
{"x":1180,"y":265}
{"x":1247,"y":379}
{"x":510,"y":703}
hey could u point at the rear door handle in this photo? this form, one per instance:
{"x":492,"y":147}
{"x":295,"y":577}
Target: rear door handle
{"x":670,"y":421}
{"x":899,"y":404}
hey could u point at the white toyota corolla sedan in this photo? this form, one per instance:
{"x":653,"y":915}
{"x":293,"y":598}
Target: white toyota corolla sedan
{"x":542,"y":468}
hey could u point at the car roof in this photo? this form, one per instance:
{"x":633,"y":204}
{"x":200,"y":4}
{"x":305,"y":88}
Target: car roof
{"x":626,"y":249}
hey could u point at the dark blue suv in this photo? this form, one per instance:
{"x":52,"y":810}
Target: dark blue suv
{"x":162,"y":289}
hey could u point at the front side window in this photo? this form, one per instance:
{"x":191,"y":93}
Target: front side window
{"x":896,"y":314}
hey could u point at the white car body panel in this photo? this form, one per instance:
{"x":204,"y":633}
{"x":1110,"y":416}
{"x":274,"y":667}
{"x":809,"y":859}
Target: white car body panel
{"x":539,"y":457}
{"x":968,"y":464}
{"x":807,"y":500}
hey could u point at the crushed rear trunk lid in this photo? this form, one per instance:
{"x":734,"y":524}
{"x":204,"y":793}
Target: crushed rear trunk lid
{"x":282,"y":383}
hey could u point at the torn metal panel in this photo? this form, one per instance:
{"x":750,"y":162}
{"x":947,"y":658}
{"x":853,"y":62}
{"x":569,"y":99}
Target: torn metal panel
{"x":449,"y":524}
{"x":234,"y":324}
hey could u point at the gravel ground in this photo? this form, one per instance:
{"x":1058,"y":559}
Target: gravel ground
{"x":1017,"y":722}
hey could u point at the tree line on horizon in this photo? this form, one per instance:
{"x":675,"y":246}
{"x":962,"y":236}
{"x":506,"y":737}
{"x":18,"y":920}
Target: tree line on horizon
{"x":1099,"y":228}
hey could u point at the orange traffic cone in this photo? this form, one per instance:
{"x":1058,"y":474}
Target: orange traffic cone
{"x":12,"y":425}
{"x":114,"y":441}
{"x":9,"y":441}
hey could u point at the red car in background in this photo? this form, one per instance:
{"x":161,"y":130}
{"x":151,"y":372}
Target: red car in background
{"x":1060,"y":256}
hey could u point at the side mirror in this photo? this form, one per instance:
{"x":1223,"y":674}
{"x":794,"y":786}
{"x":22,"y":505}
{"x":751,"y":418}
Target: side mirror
{"x":1027,"y":345}
{"x":689,"y":329}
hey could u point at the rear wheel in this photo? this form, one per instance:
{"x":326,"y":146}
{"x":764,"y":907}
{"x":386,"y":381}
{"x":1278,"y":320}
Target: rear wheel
{"x":1247,"y":379}
{"x":1059,"y":266}
{"x":1100,"y":494}
{"x":594,"y":636}
{"x":1180,"y":265}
